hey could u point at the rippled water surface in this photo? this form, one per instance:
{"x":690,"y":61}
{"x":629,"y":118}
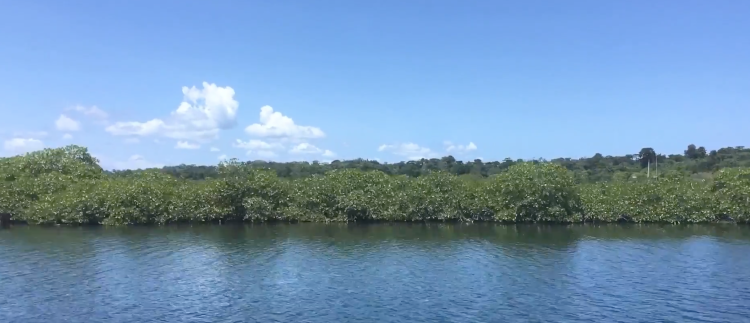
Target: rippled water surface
{"x":375,"y":273}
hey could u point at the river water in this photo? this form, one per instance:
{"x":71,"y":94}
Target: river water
{"x":376,"y":273}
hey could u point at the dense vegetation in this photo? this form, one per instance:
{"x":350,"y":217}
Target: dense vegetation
{"x":67,"y":186}
{"x":695,"y":162}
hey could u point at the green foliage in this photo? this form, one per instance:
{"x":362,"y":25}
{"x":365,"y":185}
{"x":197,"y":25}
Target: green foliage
{"x":433,"y":197}
{"x":595,"y":169}
{"x":732,"y":189}
{"x":670,"y":200}
{"x":646,"y":156}
{"x":536,"y":192}
{"x":239,"y":183}
{"x":83,"y":203}
{"x":67,"y":186}
{"x":40,"y":174}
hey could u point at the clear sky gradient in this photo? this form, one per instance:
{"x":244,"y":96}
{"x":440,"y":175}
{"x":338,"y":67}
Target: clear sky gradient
{"x":388,"y":80}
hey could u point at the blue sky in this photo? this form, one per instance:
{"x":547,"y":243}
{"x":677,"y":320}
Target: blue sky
{"x":142,"y":82}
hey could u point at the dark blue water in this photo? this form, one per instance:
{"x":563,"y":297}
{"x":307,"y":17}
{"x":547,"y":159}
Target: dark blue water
{"x":376,"y":273}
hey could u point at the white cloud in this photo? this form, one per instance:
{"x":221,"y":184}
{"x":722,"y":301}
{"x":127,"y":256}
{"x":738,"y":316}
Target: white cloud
{"x":64,"y":123}
{"x":134,"y":162}
{"x":93,"y":112}
{"x":278,"y":131}
{"x":18,"y":146}
{"x":131,"y":140}
{"x":214,"y":149}
{"x":223,"y":157}
{"x":186,"y":145}
{"x":409,"y":150}
{"x":305,"y":148}
{"x":259,"y":148}
{"x":200,"y":117}
{"x":136,"y":128}
{"x":275,"y":125}
{"x":67,"y":136}
{"x":254,"y":144}
{"x":31,"y":134}
{"x":459,"y":149}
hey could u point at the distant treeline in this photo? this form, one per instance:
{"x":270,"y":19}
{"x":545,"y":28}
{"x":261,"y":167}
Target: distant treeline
{"x":696,"y":162}
{"x":67,"y":186}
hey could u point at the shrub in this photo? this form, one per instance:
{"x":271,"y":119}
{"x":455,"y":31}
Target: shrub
{"x":535,"y":192}
{"x":67,"y":186}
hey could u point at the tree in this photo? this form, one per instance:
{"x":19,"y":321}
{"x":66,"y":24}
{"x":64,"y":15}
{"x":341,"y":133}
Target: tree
{"x":598,"y":168}
{"x":691,"y":152}
{"x":646,"y":156}
{"x":695,"y":153}
{"x":701,"y":152}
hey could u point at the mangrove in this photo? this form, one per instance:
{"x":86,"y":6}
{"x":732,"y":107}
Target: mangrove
{"x":68,"y":186}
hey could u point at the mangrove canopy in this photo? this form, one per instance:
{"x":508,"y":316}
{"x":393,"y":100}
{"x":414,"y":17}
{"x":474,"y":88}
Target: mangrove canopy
{"x":67,"y":186}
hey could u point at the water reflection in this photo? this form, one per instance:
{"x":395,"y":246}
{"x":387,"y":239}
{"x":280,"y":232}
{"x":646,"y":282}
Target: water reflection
{"x":375,"y":273}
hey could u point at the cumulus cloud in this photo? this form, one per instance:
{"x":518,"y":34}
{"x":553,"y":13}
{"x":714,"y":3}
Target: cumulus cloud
{"x":67,"y":136}
{"x":19,"y":146}
{"x":409,"y":150}
{"x":273,"y":124}
{"x":134,"y":128}
{"x":277,"y":132}
{"x":222,"y":157}
{"x":459,"y":149}
{"x":92,"y":112}
{"x":30,"y":134}
{"x":65,"y":123}
{"x":186,"y":145}
{"x":259,"y":148}
{"x":255,"y":144}
{"x":200,"y":117}
{"x":214,"y":149}
{"x":306,"y":148}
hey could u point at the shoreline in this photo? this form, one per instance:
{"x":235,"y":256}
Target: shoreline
{"x":378,"y":222}
{"x":67,"y":186}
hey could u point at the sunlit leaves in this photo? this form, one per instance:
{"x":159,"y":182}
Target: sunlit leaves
{"x":732,"y":187}
{"x":536,"y":192}
{"x":670,"y":200}
{"x":67,"y":186}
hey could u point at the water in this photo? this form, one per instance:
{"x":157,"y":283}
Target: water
{"x":375,"y":273}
